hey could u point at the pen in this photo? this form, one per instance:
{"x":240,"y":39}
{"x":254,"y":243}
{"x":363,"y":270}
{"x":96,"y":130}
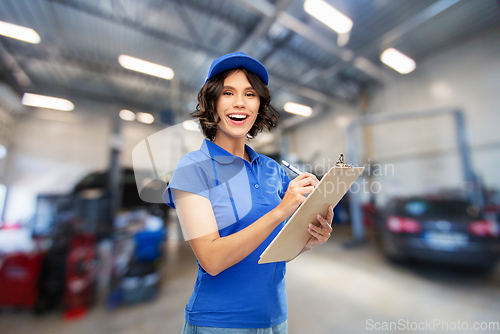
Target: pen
{"x":290,"y":167}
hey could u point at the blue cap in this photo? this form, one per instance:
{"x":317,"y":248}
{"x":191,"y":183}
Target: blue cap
{"x":235,"y":60}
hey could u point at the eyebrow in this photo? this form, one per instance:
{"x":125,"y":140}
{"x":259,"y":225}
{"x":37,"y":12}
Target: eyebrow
{"x":229,"y":87}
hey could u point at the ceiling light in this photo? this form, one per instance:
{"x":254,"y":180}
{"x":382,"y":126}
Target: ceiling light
{"x":48,"y":102}
{"x":298,"y":109}
{"x":139,"y":65}
{"x":145,"y":118}
{"x":328,"y":15}
{"x":398,"y":61}
{"x":191,"y":125}
{"x":21,"y":33}
{"x":127,"y":115}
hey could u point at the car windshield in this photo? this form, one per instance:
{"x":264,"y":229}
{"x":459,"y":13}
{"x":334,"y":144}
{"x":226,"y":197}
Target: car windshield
{"x":437,"y":208}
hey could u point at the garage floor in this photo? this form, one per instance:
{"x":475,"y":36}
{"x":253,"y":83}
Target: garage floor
{"x":330,"y":290}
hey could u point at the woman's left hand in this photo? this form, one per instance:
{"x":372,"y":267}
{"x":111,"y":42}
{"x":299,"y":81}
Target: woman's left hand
{"x":320,"y":234}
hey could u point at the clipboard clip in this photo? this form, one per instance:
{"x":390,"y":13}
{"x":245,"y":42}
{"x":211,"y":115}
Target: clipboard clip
{"x":340,"y":162}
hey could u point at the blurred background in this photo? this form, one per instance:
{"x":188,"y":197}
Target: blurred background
{"x":407,"y":88}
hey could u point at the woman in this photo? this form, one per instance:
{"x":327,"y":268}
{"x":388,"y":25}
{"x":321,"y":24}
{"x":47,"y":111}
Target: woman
{"x":232,"y":202}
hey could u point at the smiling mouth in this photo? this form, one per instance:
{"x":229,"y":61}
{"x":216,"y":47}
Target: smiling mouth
{"x":238,"y":118}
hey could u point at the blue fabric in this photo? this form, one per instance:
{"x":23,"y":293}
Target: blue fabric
{"x":278,"y":329}
{"x":147,"y":245}
{"x":248,"y":294}
{"x":235,"y":60}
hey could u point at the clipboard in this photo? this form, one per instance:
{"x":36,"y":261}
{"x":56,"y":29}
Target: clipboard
{"x":294,"y":235}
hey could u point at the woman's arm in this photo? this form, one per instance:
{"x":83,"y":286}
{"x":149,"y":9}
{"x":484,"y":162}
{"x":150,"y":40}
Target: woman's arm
{"x":216,"y":254}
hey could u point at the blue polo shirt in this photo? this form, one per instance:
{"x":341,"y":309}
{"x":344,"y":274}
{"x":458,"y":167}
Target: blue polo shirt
{"x":248,"y":294}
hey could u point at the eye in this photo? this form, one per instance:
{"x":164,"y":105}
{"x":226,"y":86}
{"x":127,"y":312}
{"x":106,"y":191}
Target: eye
{"x":250,"y":94}
{"x":227,"y":93}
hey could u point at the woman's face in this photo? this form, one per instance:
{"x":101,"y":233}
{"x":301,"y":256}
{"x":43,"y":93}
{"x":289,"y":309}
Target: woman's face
{"x":237,"y":106}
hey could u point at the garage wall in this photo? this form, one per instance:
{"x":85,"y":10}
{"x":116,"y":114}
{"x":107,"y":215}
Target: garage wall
{"x":10,"y":106}
{"x":424,"y":152}
{"x":420,"y":156}
{"x":52,"y":156}
{"x":319,"y":141}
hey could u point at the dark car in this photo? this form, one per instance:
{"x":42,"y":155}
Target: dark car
{"x":94,"y":185}
{"x":440,"y":230}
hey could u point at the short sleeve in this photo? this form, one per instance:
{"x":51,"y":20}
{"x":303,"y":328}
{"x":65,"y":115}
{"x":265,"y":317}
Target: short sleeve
{"x":285,"y":181}
{"x":189,"y":175}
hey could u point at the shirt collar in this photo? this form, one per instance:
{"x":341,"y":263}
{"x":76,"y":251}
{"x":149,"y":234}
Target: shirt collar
{"x":222,"y":156}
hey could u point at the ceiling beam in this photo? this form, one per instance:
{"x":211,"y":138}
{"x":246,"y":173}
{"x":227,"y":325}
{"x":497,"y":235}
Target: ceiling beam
{"x":393,"y":36}
{"x":313,"y":36}
{"x":95,"y":71}
{"x":308,"y":93}
{"x":261,"y":7}
{"x":270,"y":11}
{"x":204,"y":8}
{"x":160,"y":35}
{"x":188,"y":23}
{"x":63,"y":91}
{"x":94,"y":64}
{"x":13,"y":71}
{"x":138,"y":26}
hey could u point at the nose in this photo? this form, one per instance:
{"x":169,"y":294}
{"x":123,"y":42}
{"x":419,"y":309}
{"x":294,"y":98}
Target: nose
{"x":238,"y":101}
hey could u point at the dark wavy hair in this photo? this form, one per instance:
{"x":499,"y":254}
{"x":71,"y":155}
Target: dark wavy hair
{"x":206,"y":112}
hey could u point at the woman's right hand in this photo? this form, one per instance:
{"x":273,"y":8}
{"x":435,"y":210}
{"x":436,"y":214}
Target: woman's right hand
{"x":297,"y":188}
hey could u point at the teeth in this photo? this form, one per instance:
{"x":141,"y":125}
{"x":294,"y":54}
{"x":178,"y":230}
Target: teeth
{"x":238,"y":116}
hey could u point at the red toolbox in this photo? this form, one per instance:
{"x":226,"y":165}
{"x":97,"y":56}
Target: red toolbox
{"x":19,"y":276}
